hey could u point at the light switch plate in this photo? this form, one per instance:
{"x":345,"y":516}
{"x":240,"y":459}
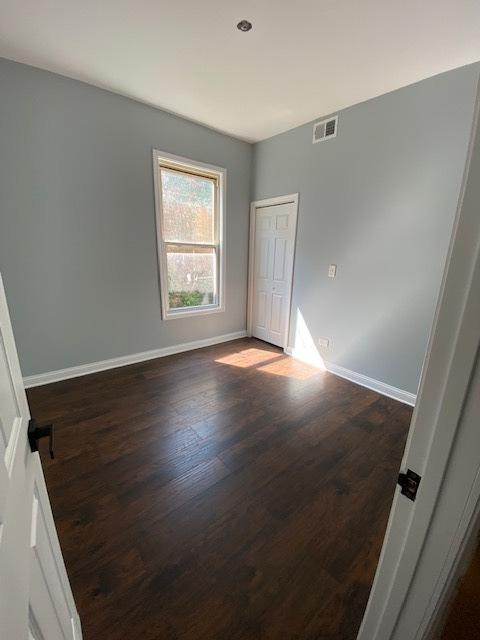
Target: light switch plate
{"x":324,"y":342}
{"x":332,"y":271}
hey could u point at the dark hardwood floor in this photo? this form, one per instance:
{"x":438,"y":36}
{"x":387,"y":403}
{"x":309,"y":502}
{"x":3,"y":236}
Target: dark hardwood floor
{"x":228,"y":493}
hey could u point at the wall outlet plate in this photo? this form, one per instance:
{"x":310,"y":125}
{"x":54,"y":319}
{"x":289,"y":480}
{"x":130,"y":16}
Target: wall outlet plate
{"x":324,"y":342}
{"x":332,"y":271}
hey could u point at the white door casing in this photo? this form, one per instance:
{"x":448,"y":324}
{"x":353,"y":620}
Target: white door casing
{"x":36,"y":601}
{"x":418,"y":554}
{"x":273,"y":225}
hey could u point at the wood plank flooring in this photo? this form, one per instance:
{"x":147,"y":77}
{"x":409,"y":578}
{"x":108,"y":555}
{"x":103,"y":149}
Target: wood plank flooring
{"x":228,"y":493}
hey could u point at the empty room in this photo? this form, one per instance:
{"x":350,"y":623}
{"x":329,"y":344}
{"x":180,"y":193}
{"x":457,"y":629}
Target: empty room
{"x":239,"y":320}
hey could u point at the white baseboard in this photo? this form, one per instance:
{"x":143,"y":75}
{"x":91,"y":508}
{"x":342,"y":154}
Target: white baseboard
{"x":112,"y":363}
{"x":121,"y":361}
{"x":381,"y":387}
{"x":370,"y":383}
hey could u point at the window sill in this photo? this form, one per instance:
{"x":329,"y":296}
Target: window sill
{"x":188,"y":313}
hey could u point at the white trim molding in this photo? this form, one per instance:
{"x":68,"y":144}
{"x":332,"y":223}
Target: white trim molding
{"x":370,"y":383}
{"x":358,"y":378}
{"x":112,"y":363}
{"x":424,"y":537}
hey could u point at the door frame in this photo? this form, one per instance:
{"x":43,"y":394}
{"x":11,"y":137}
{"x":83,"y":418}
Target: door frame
{"x":409,"y":589}
{"x":261,"y":204}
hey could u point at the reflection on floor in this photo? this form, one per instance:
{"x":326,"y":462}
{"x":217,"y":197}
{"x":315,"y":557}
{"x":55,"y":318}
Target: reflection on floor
{"x":228,"y":493}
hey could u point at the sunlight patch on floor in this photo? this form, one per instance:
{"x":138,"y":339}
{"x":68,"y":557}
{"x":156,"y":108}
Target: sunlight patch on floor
{"x":249,"y":357}
{"x":270,"y":362}
{"x":290,"y":368}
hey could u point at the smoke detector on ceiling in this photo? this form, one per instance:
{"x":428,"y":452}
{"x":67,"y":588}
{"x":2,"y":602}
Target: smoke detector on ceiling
{"x":325,"y":129}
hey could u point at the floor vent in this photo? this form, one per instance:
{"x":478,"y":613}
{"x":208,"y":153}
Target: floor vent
{"x":325,"y":129}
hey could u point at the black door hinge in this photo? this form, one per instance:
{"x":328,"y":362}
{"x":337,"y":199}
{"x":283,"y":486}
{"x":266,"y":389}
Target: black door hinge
{"x":409,"y":482}
{"x":35,"y":433}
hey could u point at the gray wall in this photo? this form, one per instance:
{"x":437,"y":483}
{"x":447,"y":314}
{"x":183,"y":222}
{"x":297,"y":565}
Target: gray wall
{"x":77,"y":220}
{"x":379,"y":201}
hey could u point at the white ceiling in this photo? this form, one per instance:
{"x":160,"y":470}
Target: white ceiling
{"x":303,"y":58}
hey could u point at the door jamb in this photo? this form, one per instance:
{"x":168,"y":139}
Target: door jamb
{"x":447,"y":371}
{"x":258,"y":204}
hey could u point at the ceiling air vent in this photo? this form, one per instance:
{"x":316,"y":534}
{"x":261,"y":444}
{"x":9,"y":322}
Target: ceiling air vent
{"x":325,"y":129}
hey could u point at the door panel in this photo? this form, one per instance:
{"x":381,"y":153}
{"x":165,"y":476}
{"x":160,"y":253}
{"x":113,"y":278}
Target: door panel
{"x":48,"y":602}
{"x":279,"y":259}
{"x":273,"y":244}
{"x":276,"y":319}
{"x":262,"y":310}
{"x":35,"y":596}
{"x":281,"y":222}
{"x":264,"y":253}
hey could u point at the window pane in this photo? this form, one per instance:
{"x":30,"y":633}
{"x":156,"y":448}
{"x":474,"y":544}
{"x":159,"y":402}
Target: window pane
{"x":188,"y":207}
{"x":191,"y":276}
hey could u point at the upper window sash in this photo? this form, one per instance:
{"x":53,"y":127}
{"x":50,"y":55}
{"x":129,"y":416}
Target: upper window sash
{"x":210,"y":236}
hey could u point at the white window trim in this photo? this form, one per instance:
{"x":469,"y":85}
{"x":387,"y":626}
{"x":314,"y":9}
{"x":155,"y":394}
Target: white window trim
{"x":220,"y":174}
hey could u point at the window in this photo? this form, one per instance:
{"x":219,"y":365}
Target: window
{"x":189,"y":208}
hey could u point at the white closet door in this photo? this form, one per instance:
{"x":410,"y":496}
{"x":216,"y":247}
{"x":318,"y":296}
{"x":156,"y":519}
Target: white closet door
{"x":274,"y":240}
